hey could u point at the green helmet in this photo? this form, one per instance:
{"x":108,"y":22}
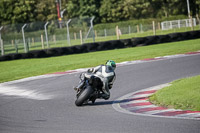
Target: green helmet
{"x":111,"y":63}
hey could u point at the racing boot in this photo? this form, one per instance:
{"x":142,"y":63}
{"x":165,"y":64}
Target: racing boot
{"x":93,"y":99}
{"x":104,"y":96}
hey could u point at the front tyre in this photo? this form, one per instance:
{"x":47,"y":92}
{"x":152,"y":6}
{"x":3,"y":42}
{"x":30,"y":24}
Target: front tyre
{"x":85,"y":95}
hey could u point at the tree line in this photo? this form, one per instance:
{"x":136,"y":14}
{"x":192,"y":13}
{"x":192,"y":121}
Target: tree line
{"x":105,"y":11}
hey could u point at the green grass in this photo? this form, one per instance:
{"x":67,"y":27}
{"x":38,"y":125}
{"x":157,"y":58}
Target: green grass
{"x":17,"y":69}
{"x":182,"y":94}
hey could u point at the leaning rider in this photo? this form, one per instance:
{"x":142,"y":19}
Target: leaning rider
{"x":107,"y":75}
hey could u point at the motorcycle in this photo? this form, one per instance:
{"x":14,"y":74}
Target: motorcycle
{"x":90,"y":89}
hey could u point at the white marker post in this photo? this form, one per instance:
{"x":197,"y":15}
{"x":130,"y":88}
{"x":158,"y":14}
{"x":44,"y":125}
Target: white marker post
{"x":1,"y":42}
{"x":45,"y":28}
{"x":25,"y":47}
{"x":68,"y":36}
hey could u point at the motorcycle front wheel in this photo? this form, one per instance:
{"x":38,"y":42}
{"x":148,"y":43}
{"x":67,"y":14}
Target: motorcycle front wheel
{"x":85,"y":95}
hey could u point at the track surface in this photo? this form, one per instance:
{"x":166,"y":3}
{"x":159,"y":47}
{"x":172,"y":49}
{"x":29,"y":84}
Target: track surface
{"x":47,"y":105}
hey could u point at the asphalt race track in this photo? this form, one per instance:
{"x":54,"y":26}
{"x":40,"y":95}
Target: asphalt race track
{"x":46,"y":105}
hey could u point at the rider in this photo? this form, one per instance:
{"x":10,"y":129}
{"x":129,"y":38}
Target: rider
{"x":107,"y":75}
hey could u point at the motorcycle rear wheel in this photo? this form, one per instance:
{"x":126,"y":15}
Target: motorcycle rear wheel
{"x":85,"y":95}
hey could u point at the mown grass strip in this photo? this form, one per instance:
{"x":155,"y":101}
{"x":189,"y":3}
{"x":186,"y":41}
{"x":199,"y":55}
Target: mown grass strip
{"x":182,"y":94}
{"x":18,"y":69}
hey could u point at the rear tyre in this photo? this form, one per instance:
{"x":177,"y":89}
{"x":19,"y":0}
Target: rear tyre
{"x":85,"y":95}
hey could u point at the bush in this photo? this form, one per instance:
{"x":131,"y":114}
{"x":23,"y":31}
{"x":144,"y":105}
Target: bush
{"x":135,"y":22}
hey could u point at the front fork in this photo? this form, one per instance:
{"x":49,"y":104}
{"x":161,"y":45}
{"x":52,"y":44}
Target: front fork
{"x":80,"y":87}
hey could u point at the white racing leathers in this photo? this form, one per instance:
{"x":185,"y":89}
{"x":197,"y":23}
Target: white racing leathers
{"x":107,"y":76}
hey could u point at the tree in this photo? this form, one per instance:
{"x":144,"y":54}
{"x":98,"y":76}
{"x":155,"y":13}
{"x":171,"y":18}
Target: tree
{"x":6,"y":10}
{"x":195,"y":4}
{"x":24,"y":11}
{"x":80,"y":8}
{"x":111,"y":11}
{"x":46,"y":10}
{"x":17,"y":11}
{"x":118,"y":10}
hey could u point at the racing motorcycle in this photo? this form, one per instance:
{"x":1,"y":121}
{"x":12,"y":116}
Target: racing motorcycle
{"x":90,"y":89}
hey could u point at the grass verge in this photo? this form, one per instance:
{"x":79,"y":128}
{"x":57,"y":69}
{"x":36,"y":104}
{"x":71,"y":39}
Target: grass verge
{"x":18,"y":69}
{"x":182,"y":94}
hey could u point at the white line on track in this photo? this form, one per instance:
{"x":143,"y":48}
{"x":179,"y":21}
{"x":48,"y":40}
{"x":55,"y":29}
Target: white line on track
{"x":141,"y":107}
{"x":159,"y":111}
{"x":22,"y":93}
{"x":142,"y":95}
{"x":134,"y":101}
{"x":189,"y":115}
